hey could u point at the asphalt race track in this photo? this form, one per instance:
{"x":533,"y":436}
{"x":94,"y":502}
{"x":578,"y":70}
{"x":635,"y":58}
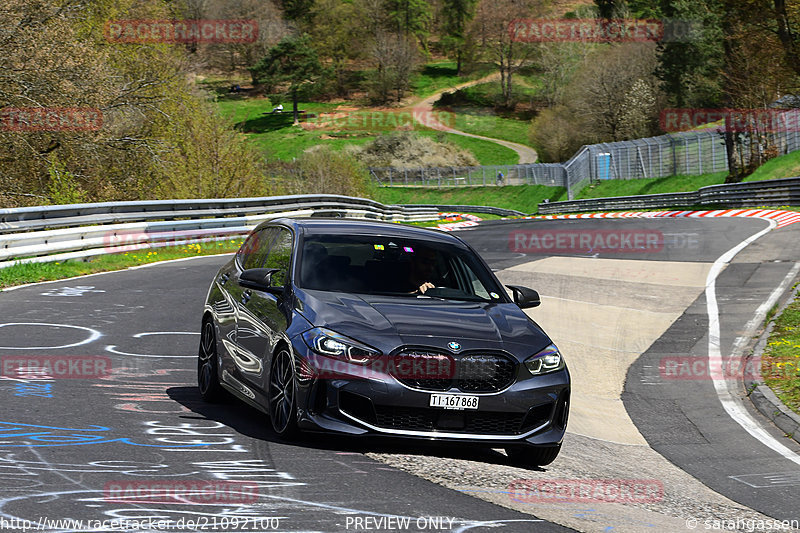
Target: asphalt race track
{"x":128,"y":413}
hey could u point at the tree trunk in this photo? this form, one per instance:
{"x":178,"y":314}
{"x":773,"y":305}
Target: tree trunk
{"x":508,"y":89}
{"x":294,"y":107}
{"x":734,"y":170}
{"x":734,"y":174}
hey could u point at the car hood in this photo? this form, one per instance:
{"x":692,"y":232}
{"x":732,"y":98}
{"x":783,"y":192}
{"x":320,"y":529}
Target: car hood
{"x":388,"y":322}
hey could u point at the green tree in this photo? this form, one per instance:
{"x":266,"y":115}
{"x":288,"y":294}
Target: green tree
{"x":508,"y":55}
{"x":787,"y":18}
{"x":337,"y":38}
{"x":456,"y":14}
{"x":609,"y":9}
{"x":409,"y":17}
{"x":293,"y":62}
{"x":298,"y":10}
{"x":691,"y":69}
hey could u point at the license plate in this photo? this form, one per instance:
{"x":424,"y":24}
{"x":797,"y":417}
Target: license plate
{"x":454,"y":401}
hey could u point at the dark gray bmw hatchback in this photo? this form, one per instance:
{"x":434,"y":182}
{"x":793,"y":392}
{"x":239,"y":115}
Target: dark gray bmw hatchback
{"x":372,"y":328}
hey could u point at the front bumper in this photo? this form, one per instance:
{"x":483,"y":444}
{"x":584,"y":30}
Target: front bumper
{"x":533,"y":410}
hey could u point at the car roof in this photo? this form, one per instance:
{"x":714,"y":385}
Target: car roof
{"x":344,"y":226}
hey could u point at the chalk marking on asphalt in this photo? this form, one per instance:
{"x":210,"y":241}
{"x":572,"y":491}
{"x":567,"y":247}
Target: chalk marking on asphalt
{"x":113,"y":349}
{"x":730,"y":403}
{"x":93,"y":336}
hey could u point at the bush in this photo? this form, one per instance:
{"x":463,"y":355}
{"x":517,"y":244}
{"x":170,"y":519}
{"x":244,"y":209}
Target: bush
{"x":467,"y":97}
{"x":408,"y":150}
{"x":557,"y":133}
{"x":320,"y":170}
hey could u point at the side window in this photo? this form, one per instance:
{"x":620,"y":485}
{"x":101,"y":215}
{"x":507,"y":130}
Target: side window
{"x":280,"y":257}
{"x":469,"y":283}
{"x":477,"y":287}
{"x":255,"y":248}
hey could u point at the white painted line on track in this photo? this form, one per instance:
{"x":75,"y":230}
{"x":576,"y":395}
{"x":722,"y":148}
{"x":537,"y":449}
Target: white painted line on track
{"x":730,"y":401}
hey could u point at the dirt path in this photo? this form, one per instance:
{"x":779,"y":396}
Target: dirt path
{"x":424,"y":108}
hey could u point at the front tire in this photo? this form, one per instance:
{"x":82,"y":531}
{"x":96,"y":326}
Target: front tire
{"x":208,"y":364}
{"x":533,"y":456}
{"x":283,"y":395}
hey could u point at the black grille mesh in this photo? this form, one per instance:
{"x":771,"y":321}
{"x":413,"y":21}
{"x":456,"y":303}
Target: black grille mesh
{"x":473,"y":372}
{"x":484,"y":373}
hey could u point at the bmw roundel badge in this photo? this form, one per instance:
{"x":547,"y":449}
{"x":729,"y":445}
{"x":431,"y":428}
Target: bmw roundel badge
{"x":453,"y":345}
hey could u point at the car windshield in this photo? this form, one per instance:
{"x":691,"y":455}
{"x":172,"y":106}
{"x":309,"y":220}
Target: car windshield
{"x":367,"y":264}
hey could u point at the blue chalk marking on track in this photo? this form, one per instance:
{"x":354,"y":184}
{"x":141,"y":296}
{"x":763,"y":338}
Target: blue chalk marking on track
{"x":67,"y":437}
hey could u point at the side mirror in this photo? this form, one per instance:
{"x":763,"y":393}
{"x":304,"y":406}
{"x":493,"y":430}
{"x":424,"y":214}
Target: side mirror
{"x":525,"y":297}
{"x":260,"y":279}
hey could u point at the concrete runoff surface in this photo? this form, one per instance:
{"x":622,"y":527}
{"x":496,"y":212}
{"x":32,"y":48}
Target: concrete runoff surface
{"x":601,"y":340}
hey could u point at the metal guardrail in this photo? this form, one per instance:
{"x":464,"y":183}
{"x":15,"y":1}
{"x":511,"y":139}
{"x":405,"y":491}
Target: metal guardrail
{"x":777,"y":192}
{"x":56,"y":233}
{"x":46,"y":217}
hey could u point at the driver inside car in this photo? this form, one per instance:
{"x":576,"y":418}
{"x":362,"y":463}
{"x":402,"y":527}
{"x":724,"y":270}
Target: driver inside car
{"x":422,"y":271}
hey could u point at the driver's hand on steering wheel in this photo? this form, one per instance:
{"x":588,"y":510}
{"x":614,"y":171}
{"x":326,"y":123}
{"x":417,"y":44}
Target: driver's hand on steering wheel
{"x":425,"y":286}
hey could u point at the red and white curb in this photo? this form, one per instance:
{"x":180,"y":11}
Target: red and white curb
{"x":782,"y":218}
{"x":470,"y":220}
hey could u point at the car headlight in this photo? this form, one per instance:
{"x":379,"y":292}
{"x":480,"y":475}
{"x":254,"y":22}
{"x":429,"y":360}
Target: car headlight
{"x":327,"y":342}
{"x":548,"y":360}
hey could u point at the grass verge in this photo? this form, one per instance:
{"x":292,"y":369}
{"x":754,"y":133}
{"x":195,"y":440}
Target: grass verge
{"x":486,"y":152}
{"x":494,"y":126}
{"x":608,"y":188}
{"x":525,"y":198}
{"x":785,"y":166}
{"x":780,"y":363}
{"x":20,"y":274}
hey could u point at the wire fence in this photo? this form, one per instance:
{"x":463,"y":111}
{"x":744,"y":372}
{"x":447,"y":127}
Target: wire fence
{"x":552,"y":174}
{"x":688,"y":153}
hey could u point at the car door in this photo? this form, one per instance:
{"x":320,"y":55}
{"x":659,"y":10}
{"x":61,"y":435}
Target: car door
{"x":262,"y":318}
{"x":250,"y":255}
